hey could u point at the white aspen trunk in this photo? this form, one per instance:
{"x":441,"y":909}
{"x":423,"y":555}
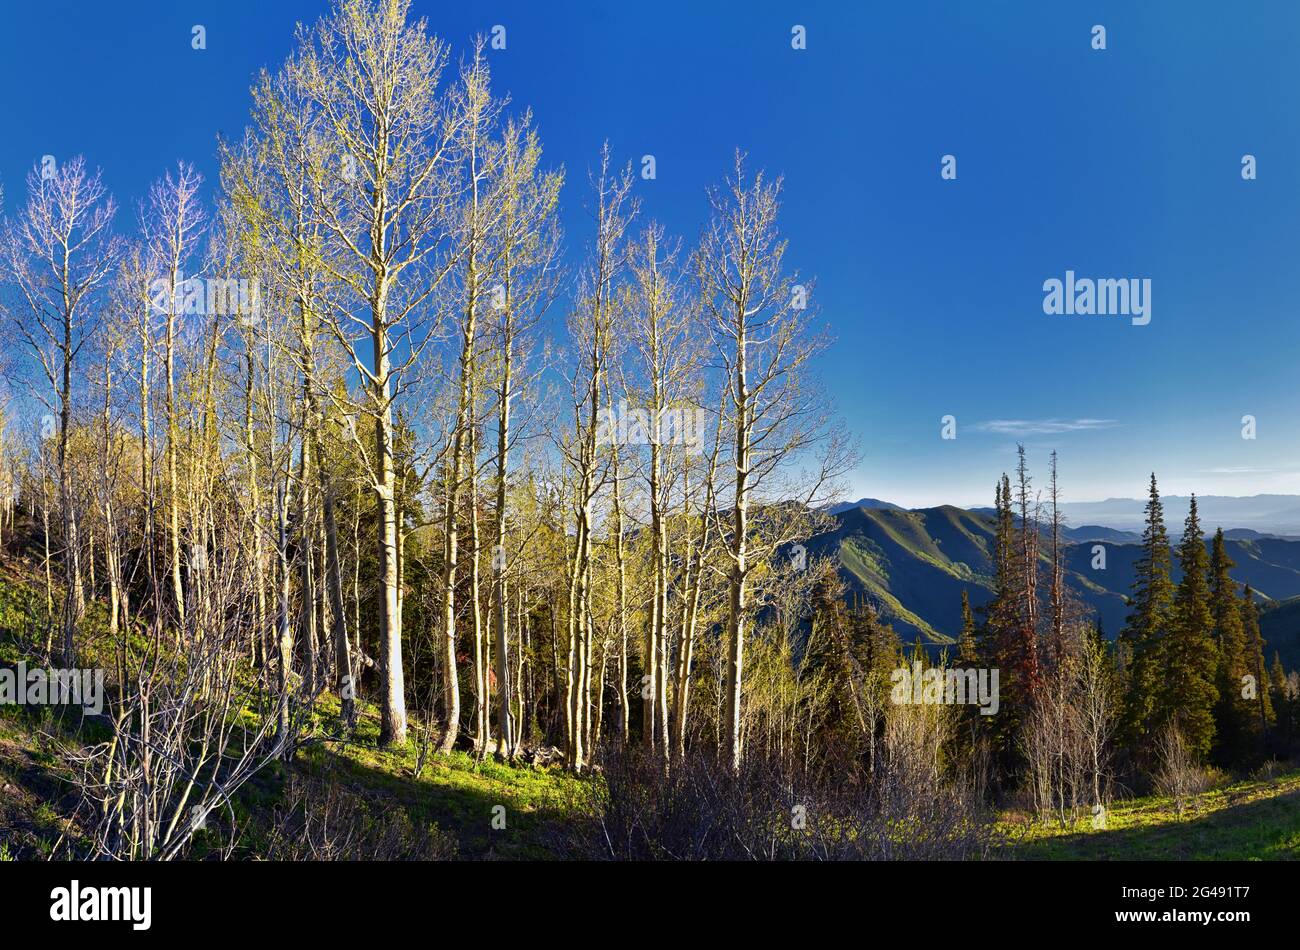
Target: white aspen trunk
{"x":393,"y":710}
{"x":285,"y":639}
{"x":739,"y":572}
{"x":504,"y":726}
{"x":483,"y":699}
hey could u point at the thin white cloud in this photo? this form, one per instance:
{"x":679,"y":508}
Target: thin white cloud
{"x":1042,"y":426}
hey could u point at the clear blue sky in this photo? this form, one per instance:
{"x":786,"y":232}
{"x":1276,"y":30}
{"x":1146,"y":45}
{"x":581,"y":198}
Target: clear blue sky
{"x":1117,"y":163}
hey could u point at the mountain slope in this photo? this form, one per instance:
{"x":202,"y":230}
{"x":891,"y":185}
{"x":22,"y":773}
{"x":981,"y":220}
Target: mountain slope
{"x":1279,"y":624}
{"x":914,"y":565}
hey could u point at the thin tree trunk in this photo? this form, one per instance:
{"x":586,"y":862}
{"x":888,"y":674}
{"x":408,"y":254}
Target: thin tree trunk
{"x":739,"y":567}
{"x":499,"y":563}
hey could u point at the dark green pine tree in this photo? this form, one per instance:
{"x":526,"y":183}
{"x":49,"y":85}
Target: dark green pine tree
{"x":879,"y":653}
{"x":1099,"y":635}
{"x":1003,"y":633}
{"x":1263,"y":716}
{"x":832,"y":649}
{"x":1000,"y":641}
{"x":1234,"y":737}
{"x":970,"y":725}
{"x":999,"y":612}
{"x":1286,"y":705}
{"x":1186,"y":693}
{"x":1147,"y":624}
{"x":968,"y":651}
{"x":882,"y":650}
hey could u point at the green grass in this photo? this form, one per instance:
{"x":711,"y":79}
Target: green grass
{"x":34,"y":784}
{"x":1252,"y":819}
{"x":21,"y":605}
{"x":457,"y":792}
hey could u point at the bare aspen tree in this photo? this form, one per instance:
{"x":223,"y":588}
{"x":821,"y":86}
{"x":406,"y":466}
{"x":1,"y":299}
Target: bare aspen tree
{"x":276,"y":182}
{"x":255,"y":507}
{"x":345,"y":675}
{"x":44,"y":463}
{"x":591,"y":328}
{"x":373,"y":75}
{"x":173,"y":225}
{"x":482,"y":676}
{"x":8,"y":468}
{"x":478,"y":154}
{"x":133,"y":297}
{"x":524,"y":252}
{"x":665,"y":364}
{"x":283,"y":619}
{"x":697,"y":556}
{"x":1098,"y":714}
{"x":57,"y":254}
{"x":285,"y":142}
{"x":759,"y":322}
{"x":111,"y":450}
{"x":222,"y":305}
{"x":617,"y":529}
{"x":245,"y":214}
{"x":185,"y":734}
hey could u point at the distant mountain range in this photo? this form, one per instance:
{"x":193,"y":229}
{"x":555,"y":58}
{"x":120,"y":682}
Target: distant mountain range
{"x":914,"y":564}
{"x":863,"y":503}
{"x":1277,"y":515}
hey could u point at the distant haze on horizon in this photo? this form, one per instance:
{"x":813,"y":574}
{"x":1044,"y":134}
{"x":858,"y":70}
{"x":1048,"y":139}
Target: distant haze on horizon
{"x":1267,"y":513}
{"x":1086,"y":478}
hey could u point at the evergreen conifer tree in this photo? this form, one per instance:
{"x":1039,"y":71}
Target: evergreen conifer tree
{"x":1233,"y":712}
{"x":1147,"y":625}
{"x":1186,"y":693}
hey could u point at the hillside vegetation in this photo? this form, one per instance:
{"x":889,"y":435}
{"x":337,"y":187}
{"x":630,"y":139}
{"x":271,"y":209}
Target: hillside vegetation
{"x":351,"y":799}
{"x":914,"y":565}
{"x":335,"y":799}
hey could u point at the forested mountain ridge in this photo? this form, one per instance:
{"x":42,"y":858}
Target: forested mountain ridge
{"x":913,"y":566}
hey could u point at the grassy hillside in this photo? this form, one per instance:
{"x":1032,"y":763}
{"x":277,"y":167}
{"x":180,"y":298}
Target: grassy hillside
{"x":400,"y":801}
{"x":1252,"y":819}
{"x":384,"y":799}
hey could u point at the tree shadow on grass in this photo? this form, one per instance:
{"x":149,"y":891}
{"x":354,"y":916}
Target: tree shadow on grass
{"x":1266,"y":828}
{"x":491,"y":810}
{"x":35,"y":792}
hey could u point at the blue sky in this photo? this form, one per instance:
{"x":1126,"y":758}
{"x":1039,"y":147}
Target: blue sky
{"x":1117,"y":163}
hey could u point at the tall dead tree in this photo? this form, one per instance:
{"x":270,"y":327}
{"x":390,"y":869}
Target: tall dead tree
{"x":1027,"y":552}
{"x":476,"y":111}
